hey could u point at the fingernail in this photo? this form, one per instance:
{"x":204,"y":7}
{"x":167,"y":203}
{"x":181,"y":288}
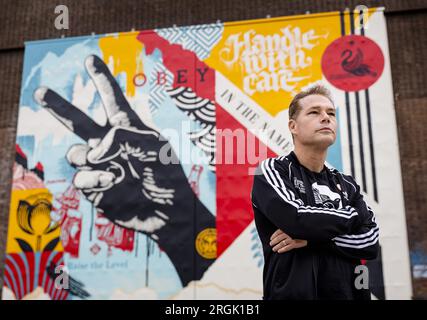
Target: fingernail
{"x":90,"y":63}
{"x":39,"y":95}
{"x":77,"y":155}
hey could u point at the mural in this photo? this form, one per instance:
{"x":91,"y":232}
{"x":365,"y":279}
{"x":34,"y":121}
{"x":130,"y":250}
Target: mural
{"x":135,"y":154}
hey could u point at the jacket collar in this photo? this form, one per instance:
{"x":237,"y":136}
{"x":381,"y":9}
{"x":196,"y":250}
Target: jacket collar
{"x":292,"y":156}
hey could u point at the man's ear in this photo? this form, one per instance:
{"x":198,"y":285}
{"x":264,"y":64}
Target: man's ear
{"x":292,"y":125}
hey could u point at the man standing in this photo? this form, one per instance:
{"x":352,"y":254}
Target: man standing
{"x":312,"y":220}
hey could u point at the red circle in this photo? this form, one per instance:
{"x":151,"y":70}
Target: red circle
{"x":352,"y":63}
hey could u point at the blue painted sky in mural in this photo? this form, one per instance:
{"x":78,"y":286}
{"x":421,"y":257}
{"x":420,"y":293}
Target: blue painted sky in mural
{"x":56,"y":66}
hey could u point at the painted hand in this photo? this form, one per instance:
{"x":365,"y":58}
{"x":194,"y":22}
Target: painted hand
{"x":125,"y":168}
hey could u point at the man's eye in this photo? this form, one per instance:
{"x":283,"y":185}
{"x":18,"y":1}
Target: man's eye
{"x":312,"y":112}
{"x":332,"y":114}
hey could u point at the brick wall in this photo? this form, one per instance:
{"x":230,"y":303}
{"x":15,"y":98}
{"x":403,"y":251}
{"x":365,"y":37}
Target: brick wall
{"x":24,"y":20}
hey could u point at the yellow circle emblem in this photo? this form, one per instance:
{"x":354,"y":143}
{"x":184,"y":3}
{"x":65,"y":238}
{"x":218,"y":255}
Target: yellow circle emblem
{"x":206,"y":243}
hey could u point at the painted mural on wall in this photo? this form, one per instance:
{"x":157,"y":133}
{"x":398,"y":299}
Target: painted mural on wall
{"x":127,"y":184}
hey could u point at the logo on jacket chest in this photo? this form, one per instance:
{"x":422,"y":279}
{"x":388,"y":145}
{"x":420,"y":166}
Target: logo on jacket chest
{"x":324,"y":196}
{"x":299,"y":185}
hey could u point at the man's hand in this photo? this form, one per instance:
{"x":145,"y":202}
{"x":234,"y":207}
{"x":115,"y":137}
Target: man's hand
{"x":281,"y":242}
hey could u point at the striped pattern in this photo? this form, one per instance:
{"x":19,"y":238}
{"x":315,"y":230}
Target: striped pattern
{"x":198,"y":39}
{"x":359,"y":132}
{"x":275,"y":180}
{"x":357,"y":241}
{"x":203,"y":112}
{"x":256,"y":248}
{"x":157,"y":90}
{"x":24,"y":272}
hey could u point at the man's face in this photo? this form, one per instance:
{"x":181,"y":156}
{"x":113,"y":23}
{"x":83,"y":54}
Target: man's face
{"x":315,"y":124}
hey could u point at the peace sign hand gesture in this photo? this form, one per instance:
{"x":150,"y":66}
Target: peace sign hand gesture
{"x":119,"y":169}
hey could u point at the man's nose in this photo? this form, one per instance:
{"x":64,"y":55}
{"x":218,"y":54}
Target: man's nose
{"x":325,"y":117}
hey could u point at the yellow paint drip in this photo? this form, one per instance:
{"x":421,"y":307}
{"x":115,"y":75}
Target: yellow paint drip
{"x":123,"y":51}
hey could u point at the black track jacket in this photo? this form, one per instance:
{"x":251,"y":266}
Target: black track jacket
{"x":326,"y":209}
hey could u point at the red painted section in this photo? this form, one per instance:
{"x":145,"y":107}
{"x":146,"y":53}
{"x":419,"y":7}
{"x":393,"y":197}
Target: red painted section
{"x":353,"y":63}
{"x":20,"y":152}
{"x":188,"y":70}
{"x":234,"y":183}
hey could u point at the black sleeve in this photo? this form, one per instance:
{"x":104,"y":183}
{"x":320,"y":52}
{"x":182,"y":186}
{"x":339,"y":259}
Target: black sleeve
{"x":274,"y":195}
{"x":362,"y":244}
